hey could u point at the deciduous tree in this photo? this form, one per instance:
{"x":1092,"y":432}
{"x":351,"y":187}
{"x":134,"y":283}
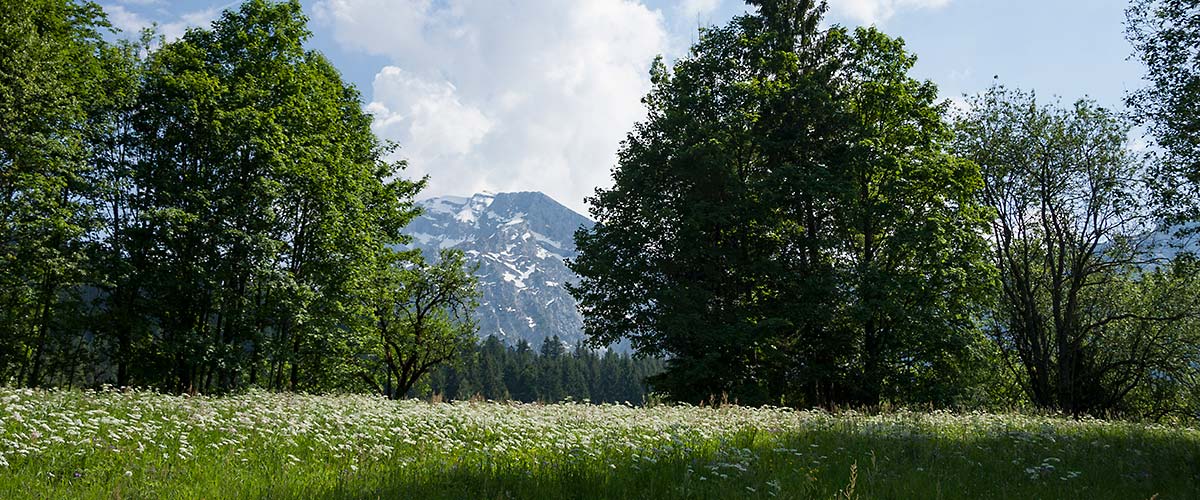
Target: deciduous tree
{"x":1166,"y":38}
{"x":49,"y":71}
{"x":422,"y":318}
{"x":786,"y":225}
{"x":1083,"y":307}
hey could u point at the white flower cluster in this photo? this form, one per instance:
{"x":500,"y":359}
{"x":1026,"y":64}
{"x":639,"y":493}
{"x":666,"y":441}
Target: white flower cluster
{"x":132,"y":429}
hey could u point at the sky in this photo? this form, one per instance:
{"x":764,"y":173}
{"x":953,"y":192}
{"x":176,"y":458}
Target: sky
{"x":536,"y":95}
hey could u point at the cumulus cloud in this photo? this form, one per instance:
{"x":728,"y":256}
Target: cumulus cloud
{"x":384,"y":27}
{"x":879,"y":11}
{"x":430,"y":114}
{"x":132,"y":22}
{"x":529,"y":95}
{"x":125,"y":19}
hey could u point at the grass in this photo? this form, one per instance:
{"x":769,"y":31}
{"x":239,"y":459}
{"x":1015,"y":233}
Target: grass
{"x":72,"y":444}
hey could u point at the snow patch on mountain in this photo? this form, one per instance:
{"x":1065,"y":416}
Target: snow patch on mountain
{"x":520,"y":241}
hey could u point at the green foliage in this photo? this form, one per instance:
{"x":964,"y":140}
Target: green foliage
{"x":786,"y":226}
{"x":198,"y":215}
{"x":421,"y":313}
{"x":263,"y":445}
{"x":1169,"y":386}
{"x":497,"y":373}
{"x":1086,"y":308}
{"x":1166,"y":38}
{"x":119,"y":331}
{"x":263,"y":198}
{"x":50,"y":70}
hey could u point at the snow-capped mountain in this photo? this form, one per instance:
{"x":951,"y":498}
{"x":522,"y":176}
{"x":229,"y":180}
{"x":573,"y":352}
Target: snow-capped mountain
{"x":520,"y":241}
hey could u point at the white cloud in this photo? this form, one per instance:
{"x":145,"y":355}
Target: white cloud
{"x":879,"y":11}
{"x":505,"y":96}
{"x":377,"y":26}
{"x":698,"y":8}
{"x":132,"y":22}
{"x":125,"y":19}
{"x":959,"y":105}
{"x":430,"y":114}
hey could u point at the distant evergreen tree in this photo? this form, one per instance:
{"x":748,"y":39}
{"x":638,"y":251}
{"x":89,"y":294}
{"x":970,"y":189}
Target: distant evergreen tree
{"x":549,"y":375}
{"x":520,"y":372}
{"x":491,"y":369}
{"x":574,"y":377}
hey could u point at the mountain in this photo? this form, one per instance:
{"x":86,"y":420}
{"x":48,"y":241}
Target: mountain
{"x":519,"y":241}
{"x":1167,"y":243}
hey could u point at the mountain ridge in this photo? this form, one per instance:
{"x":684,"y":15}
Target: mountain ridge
{"x":521,"y":241}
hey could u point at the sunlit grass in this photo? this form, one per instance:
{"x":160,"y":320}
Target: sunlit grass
{"x":71,"y":444}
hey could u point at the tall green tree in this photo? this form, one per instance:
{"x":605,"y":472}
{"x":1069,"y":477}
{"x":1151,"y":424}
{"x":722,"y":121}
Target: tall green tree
{"x":263,"y":200}
{"x":913,"y":255}
{"x":786,"y":226}
{"x":1082,"y":308}
{"x":203,"y":214}
{"x":1166,"y":38}
{"x":120,"y":330}
{"x":49,"y":71}
{"x":680,"y":260}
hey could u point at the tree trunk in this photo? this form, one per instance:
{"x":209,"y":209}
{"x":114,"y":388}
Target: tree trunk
{"x":124,"y":345}
{"x":35,"y":373}
{"x":294,"y":377}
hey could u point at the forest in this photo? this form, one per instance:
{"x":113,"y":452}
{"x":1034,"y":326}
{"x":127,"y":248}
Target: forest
{"x":550,"y":373}
{"x":797,"y":222}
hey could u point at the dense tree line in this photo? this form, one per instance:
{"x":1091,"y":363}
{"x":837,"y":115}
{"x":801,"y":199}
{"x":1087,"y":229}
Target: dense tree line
{"x":550,"y":373}
{"x":204,"y":214}
{"x":797,"y":221}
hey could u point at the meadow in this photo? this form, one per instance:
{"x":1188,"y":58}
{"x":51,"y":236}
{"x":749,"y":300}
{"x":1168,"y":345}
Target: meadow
{"x":136,"y":444}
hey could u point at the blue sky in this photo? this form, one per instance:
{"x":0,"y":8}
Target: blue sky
{"x":517,"y":95}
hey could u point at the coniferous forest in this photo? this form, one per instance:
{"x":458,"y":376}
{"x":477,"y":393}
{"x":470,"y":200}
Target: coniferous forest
{"x":551,"y":372}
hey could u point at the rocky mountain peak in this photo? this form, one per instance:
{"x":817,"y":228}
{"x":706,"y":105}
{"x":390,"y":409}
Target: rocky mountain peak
{"x":520,"y":241}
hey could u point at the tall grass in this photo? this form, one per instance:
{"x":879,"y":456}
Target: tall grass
{"x":72,"y":444}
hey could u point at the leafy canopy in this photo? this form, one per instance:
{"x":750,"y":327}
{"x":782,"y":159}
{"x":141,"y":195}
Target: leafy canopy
{"x":786,"y":226}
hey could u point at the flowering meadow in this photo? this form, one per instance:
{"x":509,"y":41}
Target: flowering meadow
{"x":135,"y":444}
